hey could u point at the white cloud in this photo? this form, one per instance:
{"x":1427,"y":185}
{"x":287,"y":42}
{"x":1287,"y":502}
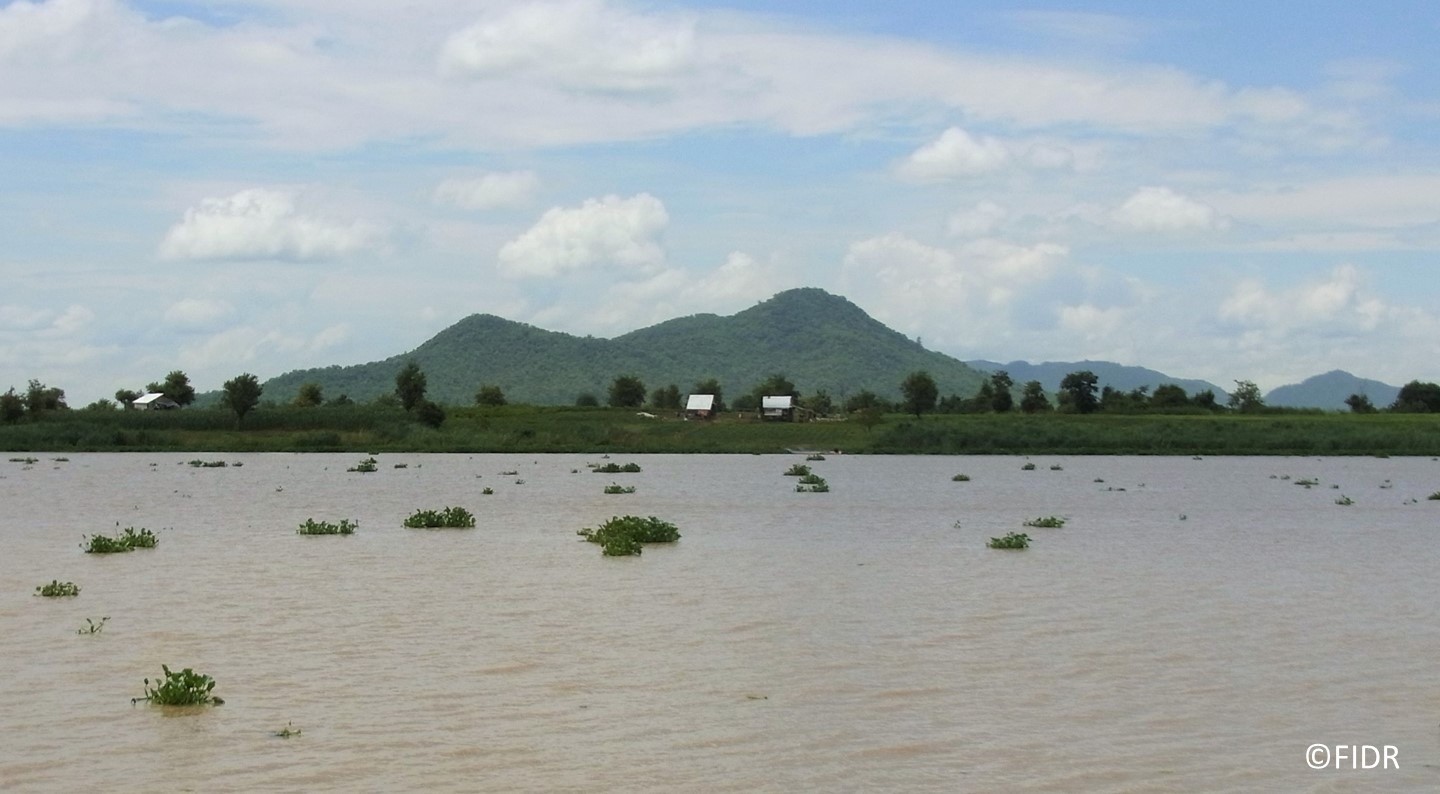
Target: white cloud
{"x":980,"y":219}
{"x":1338,"y":303}
{"x":197,"y":313}
{"x":609,"y":232}
{"x":23,"y":318}
{"x":955,"y":154}
{"x":490,"y":191}
{"x":261,"y":224}
{"x":1160,"y":209}
{"x":580,"y":44}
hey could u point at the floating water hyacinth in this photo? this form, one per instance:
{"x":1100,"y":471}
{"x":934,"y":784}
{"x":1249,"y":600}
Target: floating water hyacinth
{"x":1012,"y":540}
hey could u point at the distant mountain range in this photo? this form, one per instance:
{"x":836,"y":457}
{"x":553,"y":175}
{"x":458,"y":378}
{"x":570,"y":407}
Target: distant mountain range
{"x":1328,"y":391}
{"x":1117,"y":376}
{"x":819,"y":341}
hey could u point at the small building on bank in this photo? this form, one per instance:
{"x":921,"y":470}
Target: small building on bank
{"x":154,"y":401}
{"x":777,"y":408}
{"x":700,"y":406}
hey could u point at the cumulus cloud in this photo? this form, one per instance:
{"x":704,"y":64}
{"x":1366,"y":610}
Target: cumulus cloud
{"x":581,"y":44}
{"x":261,"y":224}
{"x":955,"y":154}
{"x":1338,"y":302}
{"x":1160,"y":209}
{"x":609,"y":232}
{"x":490,"y":191}
{"x":980,"y":219}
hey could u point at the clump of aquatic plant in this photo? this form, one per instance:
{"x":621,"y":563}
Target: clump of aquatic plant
{"x":287,"y":731}
{"x":61,"y":460}
{"x":180,"y":688}
{"x":208,"y":464}
{"x":616,"y":488}
{"x":1046,"y":522}
{"x":449,"y":517}
{"x":402,"y":465}
{"x":313,"y":527}
{"x":91,"y":627}
{"x":1344,"y":501}
{"x":616,"y":468}
{"x":1307,"y":482}
{"x":487,"y":490}
{"x":57,"y":589}
{"x":26,"y":461}
{"x":1434,"y":497}
{"x":1028,"y":467}
{"x":128,"y":539}
{"x":1056,"y":467}
{"x":366,"y":466}
{"x":138,"y":539}
{"x":623,"y":536}
{"x":812,"y":483}
{"x":1012,"y":540}
{"x":814,"y":457}
{"x":510,"y":473}
{"x":960,"y":478}
{"x":797,"y":470}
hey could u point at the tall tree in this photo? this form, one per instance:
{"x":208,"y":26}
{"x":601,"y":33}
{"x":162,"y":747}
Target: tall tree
{"x":1169,"y":395}
{"x":1417,"y":397}
{"x":776,"y":385}
{"x":176,"y":386}
{"x":12,"y":407}
{"x":126,"y":397}
{"x":40,"y":398}
{"x":430,"y":413}
{"x":241,"y":394}
{"x":1246,"y":397}
{"x":1033,"y":399}
{"x":1077,"y":391}
{"x":410,"y":385}
{"x":666,"y":398}
{"x":627,"y":391}
{"x":1360,"y":404}
{"x":920,"y":393}
{"x":1001,"y":400}
{"x":309,"y":395}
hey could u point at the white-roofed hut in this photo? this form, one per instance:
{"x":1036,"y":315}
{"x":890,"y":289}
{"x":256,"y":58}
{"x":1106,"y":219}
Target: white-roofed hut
{"x":700,"y":406}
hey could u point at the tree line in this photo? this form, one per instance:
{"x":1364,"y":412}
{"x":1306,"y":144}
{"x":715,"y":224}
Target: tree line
{"x":1079,"y":392}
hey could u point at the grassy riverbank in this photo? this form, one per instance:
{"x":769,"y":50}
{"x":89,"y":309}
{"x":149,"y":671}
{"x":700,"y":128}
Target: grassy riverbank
{"x":370,"y":428}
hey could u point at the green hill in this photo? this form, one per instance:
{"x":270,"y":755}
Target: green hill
{"x":817,"y":340}
{"x":1328,"y":391}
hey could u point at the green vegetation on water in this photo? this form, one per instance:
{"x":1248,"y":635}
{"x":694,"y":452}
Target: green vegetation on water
{"x":616,"y":468}
{"x":208,"y":464}
{"x":1046,"y":522}
{"x":129,"y":539}
{"x":614,"y":488}
{"x":797,"y":470}
{"x":91,"y":627}
{"x":623,"y":536}
{"x":313,"y":527}
{"x":1012,"y":540}
{"x":180,"y":688}
{"x":446,"y":518}
{"x":960,"y":478}
{"x":812,"y":483}
{"x":365,"y":466}
{"x":57,"y":589}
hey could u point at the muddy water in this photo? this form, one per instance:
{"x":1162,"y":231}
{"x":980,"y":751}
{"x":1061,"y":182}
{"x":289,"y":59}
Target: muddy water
{"x":1195,"y":625}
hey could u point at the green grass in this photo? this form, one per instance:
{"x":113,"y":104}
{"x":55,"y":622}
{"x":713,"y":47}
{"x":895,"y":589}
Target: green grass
{"x":1012,"y":540}
{"x":57,"y":589}
{"x":180,"y":688}
{"x":624,"y":536}
{"x":445,"y":518}
{"x":532,"y":429}
{"x":313,"y":527}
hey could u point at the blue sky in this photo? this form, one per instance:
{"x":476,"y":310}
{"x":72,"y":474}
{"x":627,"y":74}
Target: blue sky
{"x":1218,"y":190}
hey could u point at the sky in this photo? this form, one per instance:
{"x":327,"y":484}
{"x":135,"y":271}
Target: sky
{"x":1220,"y":190}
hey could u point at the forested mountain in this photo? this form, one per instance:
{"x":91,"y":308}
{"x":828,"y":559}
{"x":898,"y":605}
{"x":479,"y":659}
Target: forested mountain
{"x":1117,"y":376}
{"x":1328,"y":391}
{"x":817,"y":340}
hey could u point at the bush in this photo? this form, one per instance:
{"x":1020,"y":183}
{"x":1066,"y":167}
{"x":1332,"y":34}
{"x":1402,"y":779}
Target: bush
{"x":57,"y":589}
{"x":183,"y":688}
{"x":1047,"y":522}
{"x":449,"y":517}
{"x":797,"y":470}
{"x":622,"y":536}
{"x":313,"y":527}
{"x":1012,"y":540}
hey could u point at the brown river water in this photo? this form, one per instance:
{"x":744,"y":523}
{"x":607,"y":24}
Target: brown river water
{"x":1196,"y":625}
